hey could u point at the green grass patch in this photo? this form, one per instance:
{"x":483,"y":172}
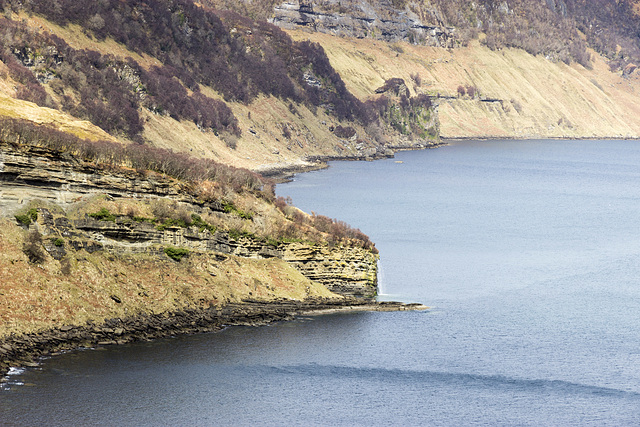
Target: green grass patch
{"x":202,"y":225}
{"x":232,"y":209}
{"x":103,"y":215}
{"x":143,"y":219}
{"x":171,"y":222}
{"x":27,"y":218}
{"x":176,"y":254}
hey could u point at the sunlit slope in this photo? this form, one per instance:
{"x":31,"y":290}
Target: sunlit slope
{"x":520,"y":95}
{"x":17,"y":108}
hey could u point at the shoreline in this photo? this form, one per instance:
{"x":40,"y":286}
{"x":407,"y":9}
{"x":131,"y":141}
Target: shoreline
{"x":285,"y":173}
{"x":27,"y":350}
{"x":548,"y":138}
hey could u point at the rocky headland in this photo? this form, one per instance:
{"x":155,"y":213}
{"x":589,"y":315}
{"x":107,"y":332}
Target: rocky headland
{"x":93,"y":277}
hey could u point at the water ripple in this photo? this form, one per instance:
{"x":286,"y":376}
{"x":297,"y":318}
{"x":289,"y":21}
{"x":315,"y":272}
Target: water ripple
{"x":455,"y":379}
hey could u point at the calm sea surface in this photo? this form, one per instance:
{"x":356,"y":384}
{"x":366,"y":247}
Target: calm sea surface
{"x":527,"y":252}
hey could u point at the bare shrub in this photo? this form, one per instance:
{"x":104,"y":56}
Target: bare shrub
{"x":471,"y":91}
{"x":516,"y":105}
{"x":65,"y":266}
{"x":344,"y":132}
{"x":416,"y":79}
{"x":164,"y":209}
{"x":33,"y":248}
{"x":282,"y":203}
{"x":230,"y":141}
{"x":397,"y":47}
{"x":286,"y":132}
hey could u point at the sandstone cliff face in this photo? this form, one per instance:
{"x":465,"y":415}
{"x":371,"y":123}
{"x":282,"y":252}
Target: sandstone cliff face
{"x":31,"y":173}
{"x":345,"y":271}
{"x":360,"y":19}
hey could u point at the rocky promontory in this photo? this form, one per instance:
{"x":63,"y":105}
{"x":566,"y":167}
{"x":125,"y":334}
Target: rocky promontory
{"x":91,"y":255}
{"x":25,"y":350}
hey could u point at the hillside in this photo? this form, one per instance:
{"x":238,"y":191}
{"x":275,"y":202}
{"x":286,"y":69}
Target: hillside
{"x":131,"y":133}
{"x":520,"y":70}
{"x":515,"y":94}
{"x":168,"y":244}
{"x":215,"y":84}
{"x":268,"y":100}
{"x":123,"y":214}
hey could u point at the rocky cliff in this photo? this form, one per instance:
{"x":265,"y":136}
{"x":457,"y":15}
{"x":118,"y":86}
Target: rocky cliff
{"x":73,"y":275}
{"x":30,"y":174}
{"x":378,"y":20}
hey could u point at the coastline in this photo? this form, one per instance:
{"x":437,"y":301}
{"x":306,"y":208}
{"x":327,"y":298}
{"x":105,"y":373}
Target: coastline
{"x":285,"y":173}
{"x":28,"y":349}
{"x":447,"y":139}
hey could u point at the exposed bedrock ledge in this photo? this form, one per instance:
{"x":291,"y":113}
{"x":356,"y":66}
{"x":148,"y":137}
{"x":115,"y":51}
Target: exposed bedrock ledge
{"x":33,"y":173}
{"x":29,"y":172}
{"x":348,"y":271}
{"x":25,"y":350}
{"x":361,"y":19}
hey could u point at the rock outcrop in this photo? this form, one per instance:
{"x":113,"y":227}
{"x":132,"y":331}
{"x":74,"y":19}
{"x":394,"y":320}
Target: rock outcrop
{"x":360,"y":19}
{"x":30,"y":173}
{"x":348,"y":271}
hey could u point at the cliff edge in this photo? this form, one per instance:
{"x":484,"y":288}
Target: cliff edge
{"x":95,"y":255}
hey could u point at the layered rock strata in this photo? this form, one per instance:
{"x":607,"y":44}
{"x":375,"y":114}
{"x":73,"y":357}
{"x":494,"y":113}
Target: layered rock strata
{"x":32,"y":173}
{"x":360,"y":19}
{"x":54,"y":180}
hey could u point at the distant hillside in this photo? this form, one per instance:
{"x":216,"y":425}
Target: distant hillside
{"x":348,"y":79}
{"x":561,"y":30}
{"x":511,"y":69}
{"x":173,"y":74}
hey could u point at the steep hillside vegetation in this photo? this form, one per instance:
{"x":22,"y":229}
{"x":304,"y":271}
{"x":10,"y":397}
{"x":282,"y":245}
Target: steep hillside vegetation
{"x":513,"y":94}
{"x":174,"y":75}
{"x":511,"y":69}
{"x":560,"y":30}
{"x":92,"y":229}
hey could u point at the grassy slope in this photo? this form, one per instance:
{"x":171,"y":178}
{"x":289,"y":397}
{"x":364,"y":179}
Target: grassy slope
{"x":591,"y":103}
{"x":262,"y":145}
{"x":38,"y":297}
{"x":17,"y":108}
{"x":553,"y":100}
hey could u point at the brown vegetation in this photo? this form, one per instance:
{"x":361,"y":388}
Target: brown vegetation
{"x":550,"y":28}
{"x":243,"y":194}
{"x":136,"y":156}
{"x":196,"y":47}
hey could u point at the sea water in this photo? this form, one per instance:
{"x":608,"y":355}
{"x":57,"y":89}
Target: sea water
{"x":527,"y":252}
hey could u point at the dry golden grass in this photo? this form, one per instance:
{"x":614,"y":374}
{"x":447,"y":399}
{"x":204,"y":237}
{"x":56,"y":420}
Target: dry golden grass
{"x":539,"y":99}
{"x":557,"y":100}
{"x":17,"y":108}
{"x":38,"y":297}
{"x":262,"y":144}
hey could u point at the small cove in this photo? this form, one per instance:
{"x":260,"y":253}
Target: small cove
{"x":528,"y":253}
